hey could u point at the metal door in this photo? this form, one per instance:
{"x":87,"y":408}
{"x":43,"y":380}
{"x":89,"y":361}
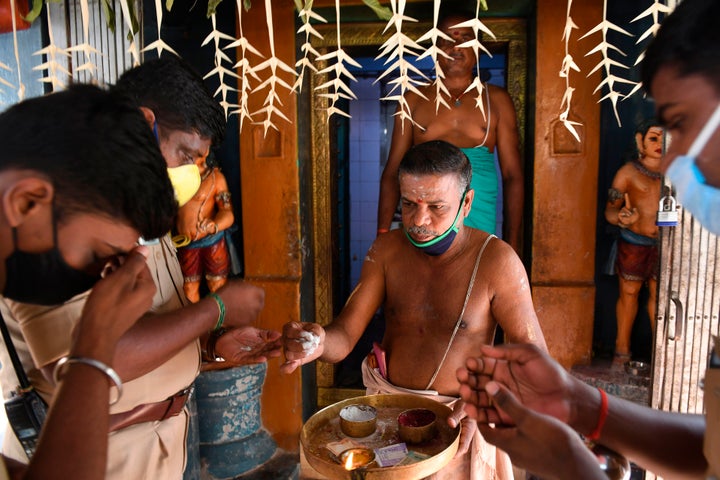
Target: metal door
{"x":688,"y":306}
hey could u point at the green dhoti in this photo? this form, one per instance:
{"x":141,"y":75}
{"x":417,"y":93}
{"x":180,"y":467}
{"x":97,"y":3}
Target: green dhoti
{"x":485,"y":184}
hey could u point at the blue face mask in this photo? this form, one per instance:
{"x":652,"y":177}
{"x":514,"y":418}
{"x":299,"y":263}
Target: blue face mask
{"x":702,"y":200}
{"x":441,"y":243}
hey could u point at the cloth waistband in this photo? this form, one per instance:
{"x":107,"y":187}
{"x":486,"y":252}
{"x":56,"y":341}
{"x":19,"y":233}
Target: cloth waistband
{"x":637,"y":239}
{"x":151,"y":412}
{"x":207,"y":241}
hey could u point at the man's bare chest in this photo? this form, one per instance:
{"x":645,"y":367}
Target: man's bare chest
{"x":435,"y":304}
{"x":464,"y":127}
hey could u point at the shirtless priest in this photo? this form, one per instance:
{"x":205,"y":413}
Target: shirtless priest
{"x":466,"y":126}
{"x":445,"y":288}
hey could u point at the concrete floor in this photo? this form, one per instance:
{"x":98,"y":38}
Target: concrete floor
{"x":616,"y":381}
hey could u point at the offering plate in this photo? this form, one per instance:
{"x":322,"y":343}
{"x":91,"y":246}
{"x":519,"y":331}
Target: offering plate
{"x":323,"y":429}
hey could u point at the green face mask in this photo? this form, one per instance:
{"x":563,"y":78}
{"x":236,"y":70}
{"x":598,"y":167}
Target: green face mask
{"x":441,"y":243}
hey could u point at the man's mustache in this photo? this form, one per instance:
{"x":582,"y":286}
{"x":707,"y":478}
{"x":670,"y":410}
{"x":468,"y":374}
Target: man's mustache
{"x":422,"y":231}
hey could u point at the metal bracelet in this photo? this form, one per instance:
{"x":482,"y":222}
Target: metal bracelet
{"x":62,"y":364}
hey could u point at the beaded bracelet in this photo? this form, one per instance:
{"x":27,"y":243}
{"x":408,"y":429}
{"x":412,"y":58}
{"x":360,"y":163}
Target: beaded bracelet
{"x":64,"y":362}
{"x":595,"y":435}
{"x":221,"y":307}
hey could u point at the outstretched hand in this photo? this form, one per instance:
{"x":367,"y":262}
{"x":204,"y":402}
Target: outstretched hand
{"x":539,"y":382}
{"x":248,"y":345}
{"x":302,"y":343}
{"x":539,"y":443}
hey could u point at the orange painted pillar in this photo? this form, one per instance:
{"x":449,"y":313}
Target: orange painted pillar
{"x":565,"y":183}
{"x":270,"y":214}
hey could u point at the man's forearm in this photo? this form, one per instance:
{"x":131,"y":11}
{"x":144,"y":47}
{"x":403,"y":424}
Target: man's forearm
{"x":80,"y":406}
{"x":157,"y":337}
{"x":389,"y":197}
{"x":335,"y":347}
{"x":666,"y":443}
{"x":669,"y":444}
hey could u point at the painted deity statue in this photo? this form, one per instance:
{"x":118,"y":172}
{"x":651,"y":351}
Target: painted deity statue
{"x":632,"y":205}
{"x":202,"y":221}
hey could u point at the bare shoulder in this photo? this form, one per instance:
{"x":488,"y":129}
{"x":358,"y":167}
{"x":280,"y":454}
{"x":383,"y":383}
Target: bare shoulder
{"x":386,"y":247}
{"x":500,"y":251}
{"x":499,"y":264}
{"x":413,"y":99}
{"x":503,"y":107}
{"x":625,"y":173}
{"x":499,"y":95}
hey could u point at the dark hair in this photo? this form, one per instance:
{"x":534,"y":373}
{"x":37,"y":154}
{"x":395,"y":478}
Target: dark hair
{"x":642,"y":128}
{"x":455,"y":11}
{"x":437,"y":157}
{"x":689,"y":40}
{"x":177,"y":96}
{"x":98,"y":152}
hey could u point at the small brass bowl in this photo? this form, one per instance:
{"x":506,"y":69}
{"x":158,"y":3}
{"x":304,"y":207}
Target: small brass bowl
{"x":637,"y":368}
{"x":615,"y":466}
{"x":354,"y":458}
{"x":417,"y":425}
{"x":358,"y":420}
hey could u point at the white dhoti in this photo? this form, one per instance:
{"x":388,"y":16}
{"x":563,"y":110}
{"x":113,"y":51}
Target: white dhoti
{"x":486,"y":461}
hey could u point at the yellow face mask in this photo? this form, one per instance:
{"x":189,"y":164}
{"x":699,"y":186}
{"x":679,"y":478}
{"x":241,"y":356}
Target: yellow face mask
{"x":185,"y":180}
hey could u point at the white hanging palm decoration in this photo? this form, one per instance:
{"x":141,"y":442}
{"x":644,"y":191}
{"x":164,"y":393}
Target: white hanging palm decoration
{"x":4,"y":66}
{"x":433,"y":51}
{"x":20,"y":84}
{"x":567,"y":65}
{"x":159,"y":44}
{"x":607,"y":63}
{"x":654,"y":12}
{"x":133,"y":49}
{"x":476,"y":45}
{"x":274,"y":81}
{"x":306,"y":14}
{"x":220,"y":70}
{"x":2,"y":80}
{"x":336,"y":87}
{"x":52,"y":54}
{"x":85,"y":48}
{"x":244,"y":70}
{"x":401,"y":46}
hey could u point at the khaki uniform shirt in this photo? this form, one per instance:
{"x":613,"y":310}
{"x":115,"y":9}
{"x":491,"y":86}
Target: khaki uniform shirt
{"x":150,"y":450}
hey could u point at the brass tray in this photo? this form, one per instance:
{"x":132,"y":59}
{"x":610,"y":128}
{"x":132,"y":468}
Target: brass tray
{"x":324,"y":428}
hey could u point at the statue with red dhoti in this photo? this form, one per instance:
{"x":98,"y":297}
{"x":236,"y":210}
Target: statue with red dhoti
{"x":202,"y":221}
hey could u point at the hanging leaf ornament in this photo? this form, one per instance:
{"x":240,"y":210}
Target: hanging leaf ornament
{"x":336,"y":87}
{"x":606,"y":63}
{"x":273,"y":83}
{"x":399,"y":47}
{"x":305,"y":13}
{"x":568,"y":64}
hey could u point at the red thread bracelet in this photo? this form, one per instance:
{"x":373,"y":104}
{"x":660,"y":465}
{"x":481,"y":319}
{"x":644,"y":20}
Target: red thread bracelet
{"x":595,"y":435}
{"x":382,"y":230}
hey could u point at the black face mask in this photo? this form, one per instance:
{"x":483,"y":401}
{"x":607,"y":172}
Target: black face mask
{"x":43,"y":278}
